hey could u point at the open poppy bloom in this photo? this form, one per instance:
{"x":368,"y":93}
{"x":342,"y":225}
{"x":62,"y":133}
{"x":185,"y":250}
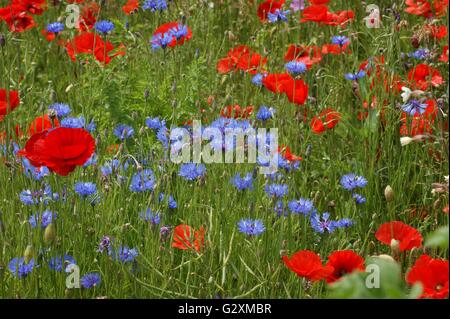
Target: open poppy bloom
{"x":344,"y":262}
{"x":42,"y":123}
{"x":307,"y":264}
{"x":130,"y":7}
{"x":90,"y":43}
{"x":423,"y":75}
{"x":8,"y":101}
{"x":296,"y":90}
{"x":432,"y":274}
{"x":242,"y":58}
{"x":327,"y":119}
{"x":88,"y":16}
{"x":320,"y":14}
{"x":309,"y":55}
{"x":32,"y":6}
{"x":406,"y":236}
{"x":269,"y":6}
{"x":437,"y":32}
{"x":17,"y":18}
{"x":61,"y":149}
{"x":275,"y":82}
{"x":425,"y":8}
{"x":285,"y":151}
{"x":235,"y":111}
{"x":185,"y":237}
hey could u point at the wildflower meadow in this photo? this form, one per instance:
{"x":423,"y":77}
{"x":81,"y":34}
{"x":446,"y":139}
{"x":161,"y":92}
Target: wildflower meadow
{"x":221,"y":149}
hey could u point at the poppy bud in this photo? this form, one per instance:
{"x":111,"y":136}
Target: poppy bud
{"x":389,"y":193}
{"x":50,"y":233}
{"x":28,"y":254}
{"x":385,"y":257}
{"x":395,"y":247}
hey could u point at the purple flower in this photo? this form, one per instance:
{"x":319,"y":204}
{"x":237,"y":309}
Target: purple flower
{"x":90,"y":280}
{"x":251,"y":227}
{"x":19,"y":268}
{"x":301,"y":206}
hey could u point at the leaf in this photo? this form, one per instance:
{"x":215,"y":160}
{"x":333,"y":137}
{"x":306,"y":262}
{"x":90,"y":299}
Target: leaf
{"x":438,"y":238}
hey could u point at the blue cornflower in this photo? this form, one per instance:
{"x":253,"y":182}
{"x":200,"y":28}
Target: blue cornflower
{"x":320,"y":225}
{"x":85,"y":189}
{"x":55,"y":27}
{"x":19,"y":268}
{"x":171,"y":201}
{"x":359,"y":198}
{"x":191,"y":171}
{"x":280,"y":209}
{"x":179,"y":31}
{"x":90,"y":280}
{"x":151,"y":217}
{"x":73,"y":122}
{"x":414,"y":107}
{"x":352,"y":181}
{"x":36,"y":173}
{"x":278,"y":15}
{"x":301,"y":206}
{"x":154,"y":123}
{"x":242,"y":183}
{"x":162,"y":136}
{"x":104,"y":26}
{"x":277,"y":190}
{"x":296,"y":67}
{"x":60,"y":109}
{"x":143,"y":181}
{"x":56,"y":263}
{"x":161,"y":40}
{"x":258,"y":79}
{"x":340,"y":40}
{"x":265,"y":113}
{"x":251,"y":227}
{"x":123,"y":131}
{"x":420,"y":54}
{"x":155,"y":5}
{"x":109,"y":167}
{"x":124,"y":254}
{"x":355,"y":76}
{"x":44,"y":219}
{"x":40,"y":196}
{"x":345,"y":223}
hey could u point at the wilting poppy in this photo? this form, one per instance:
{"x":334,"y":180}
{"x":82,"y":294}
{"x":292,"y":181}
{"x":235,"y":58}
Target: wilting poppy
{"x":432,"y":274}
{"x":327,"y":119}
{"x":183,"y":239}
{"x":406,"y":236}
{"x":344,"y":262}
{"x":307,"y":264}
{"x":61,"y":149}
{"x":9,"y":100}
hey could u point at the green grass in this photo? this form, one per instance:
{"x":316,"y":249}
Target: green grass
{"x":178,"y":84}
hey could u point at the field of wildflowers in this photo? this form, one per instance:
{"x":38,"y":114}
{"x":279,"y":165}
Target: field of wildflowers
{"x":94,"y":95}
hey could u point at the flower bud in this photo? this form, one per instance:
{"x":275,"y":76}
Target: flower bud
{"x":28,"y":254}
{"x":50,"y":233}
{"x":389,"y":194}
{"x":395,"y":247}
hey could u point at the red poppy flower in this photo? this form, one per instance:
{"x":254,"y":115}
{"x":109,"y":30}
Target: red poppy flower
{"x":423,"y":75}
{"x":425,"y":8}
{"x":407,"y":236}
{"x":61,"y":149}
{"x":432,"y":274}
{"x":344,"y":262}
{"x":309,"y":55}
{"x":243,"y":58}
{"x":182,"y":238}
{"x":8,"y":101}
{"x":437,"y":32}
{"x":32,"y":6}
{"x":335,"y":49}
{"x":285,"y":151}
{"x":90,"y":43}
{"x":49,"y":36}
{"x":276,"y":82}
{"x":42,"y":123}
{"x":176,"y":27}
{"x":444,"y":55}
{"x":327,"y":119}
{"x":16,"y":18}
{"x":130,"y":7}
{"x":269,"y":6}
{"x":88,"y":16}
{"x":320,"y":14}
{"x":296,"y":90}
{"x":307,"y":264}
{"x":235,"y":111}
